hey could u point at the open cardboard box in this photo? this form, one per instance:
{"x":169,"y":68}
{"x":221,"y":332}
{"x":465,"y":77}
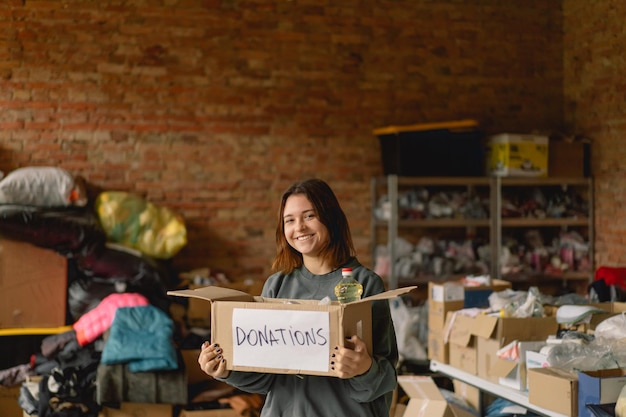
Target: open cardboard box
{"x":512,"y":373}
{"x":271,"y":335}
{"x":599,"y":387}
{"x":425,"y":399}
{"x":553,"y":389}
{"x":507,"y":329}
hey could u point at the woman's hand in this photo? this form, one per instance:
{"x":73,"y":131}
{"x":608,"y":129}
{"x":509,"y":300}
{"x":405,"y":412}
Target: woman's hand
{"x":211,"y":360}
{"x":347,"y":362}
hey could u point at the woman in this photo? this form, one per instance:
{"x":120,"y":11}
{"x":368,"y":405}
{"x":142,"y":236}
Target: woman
{"x":313,"y":244}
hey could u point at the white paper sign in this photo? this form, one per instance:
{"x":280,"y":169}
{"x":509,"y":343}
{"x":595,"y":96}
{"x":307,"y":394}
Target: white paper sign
{"x":281,"y":339}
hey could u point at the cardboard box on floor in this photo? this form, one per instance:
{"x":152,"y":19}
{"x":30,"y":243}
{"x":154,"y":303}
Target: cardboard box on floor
{"x":553,"y":389}
{"x":472,"y":395}
{"x":192,"y":368}
{"x":599,"y":387}
{"x":425,"y":399}
{"x":33,"y":286}
{"x":260,"y":334}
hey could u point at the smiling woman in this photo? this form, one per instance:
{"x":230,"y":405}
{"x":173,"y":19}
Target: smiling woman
{"x":305,"y":232}
{"x":314,"y":244}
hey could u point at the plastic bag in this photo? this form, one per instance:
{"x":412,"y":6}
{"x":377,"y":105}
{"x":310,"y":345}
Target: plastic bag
{"x":405,"y":321}
{"x":42,"y":187}
{"x":620,"y":405}
{"x":138,"y":224}
{"x":612,"y":328}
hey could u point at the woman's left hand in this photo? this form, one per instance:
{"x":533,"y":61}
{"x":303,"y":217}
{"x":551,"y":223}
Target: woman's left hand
{"x":349,"y":362}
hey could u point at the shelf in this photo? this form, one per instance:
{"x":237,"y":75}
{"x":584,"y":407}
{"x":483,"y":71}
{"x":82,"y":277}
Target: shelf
{"x":438,"y":181}
{"x":495,"y":227}
{"x":434,"y":223}
{"x":547,"y":181}
{"x":532,"y":222}
{"x":29,"y":331}
{"x":506,"y":222}
{"x":567,"y":276}
{"x":513,"y":395}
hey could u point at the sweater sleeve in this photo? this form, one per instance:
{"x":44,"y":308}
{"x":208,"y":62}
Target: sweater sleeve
{"x":252,"y":382}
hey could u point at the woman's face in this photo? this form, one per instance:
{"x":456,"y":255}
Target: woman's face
{"x":303,"y":229}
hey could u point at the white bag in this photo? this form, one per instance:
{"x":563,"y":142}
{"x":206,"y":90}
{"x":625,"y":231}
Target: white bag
{"x":42,"y":187}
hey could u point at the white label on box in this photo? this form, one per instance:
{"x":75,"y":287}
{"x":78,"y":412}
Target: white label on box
{"x":281,"y":339}
{"x":447,"y":292}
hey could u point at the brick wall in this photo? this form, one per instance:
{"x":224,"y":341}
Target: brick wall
{"x":595,"y":103}
{"x":214,"y":107}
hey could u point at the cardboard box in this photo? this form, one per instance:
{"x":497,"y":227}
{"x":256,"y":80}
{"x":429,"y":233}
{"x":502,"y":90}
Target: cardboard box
{"x":33,"y":286}
{"x":536,"y":360}
{"x":438,"y":311}
{"x":139,"y":410}
{"x":222,"y":412}
{"x":486,"y":357}
{"x":260,"y":334}
{"x":199,"y":311}
{"x":425,"y":399}
{"x":512,"y":373}
{"x":507,"y":329}
{"x":8,"y":401}
{"x":517,"y":155}
{"x":599,"y":387}
{"x":472,"y":296}
{"x":464,"y":358}
{"x":569,"y":159}
{"x":438,"y":348}
{"x":492,"y":333}
{"x":553,"y":389}
{"x":454,"y":295}
{"x":192,"y":368}
{"x":612,"y":308}
{"x":471,"y":394}
{"x":463,"y":353}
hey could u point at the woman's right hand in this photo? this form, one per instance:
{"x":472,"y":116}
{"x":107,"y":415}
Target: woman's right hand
{"x":211,"y":360}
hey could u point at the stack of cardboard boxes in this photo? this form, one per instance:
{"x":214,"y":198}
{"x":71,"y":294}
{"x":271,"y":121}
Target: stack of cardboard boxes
{"x":471,"y":342}
{"x":33,"y":298}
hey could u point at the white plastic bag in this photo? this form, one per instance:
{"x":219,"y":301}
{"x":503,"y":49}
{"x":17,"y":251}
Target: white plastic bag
{"x":406,"y":323}
{"x":612,"y":328}
{"x":42,"y":187}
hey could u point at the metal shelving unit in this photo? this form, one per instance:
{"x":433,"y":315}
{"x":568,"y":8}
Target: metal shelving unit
{"x":513,"y":395}
{"x":495,"y":223}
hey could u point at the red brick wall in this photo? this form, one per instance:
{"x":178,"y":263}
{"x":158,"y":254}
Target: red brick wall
{"x":595,"y":97}
{"x":214,"y":107}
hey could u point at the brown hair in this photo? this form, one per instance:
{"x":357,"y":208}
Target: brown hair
{"x":339,"y":247}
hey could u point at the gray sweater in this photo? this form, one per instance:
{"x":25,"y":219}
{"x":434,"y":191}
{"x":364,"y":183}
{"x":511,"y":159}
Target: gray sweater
{"x":367,"y":395}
